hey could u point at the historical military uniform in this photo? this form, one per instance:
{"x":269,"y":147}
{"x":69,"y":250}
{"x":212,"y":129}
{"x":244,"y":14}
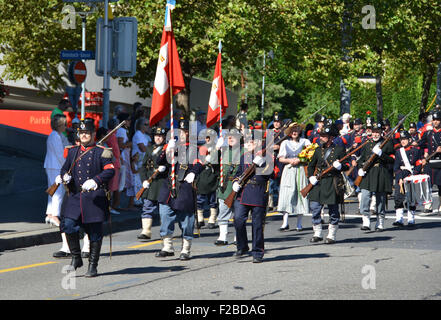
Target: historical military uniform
{"x":430,"y":141}
{"x":315,"y":135}
{"x":230,"y":164}
{"x":206,"y":185}
{"x":274,"y":186}
{"x":253,"y":196}
{"x":178,"y":205}
{"x":87,"y":203}
{"x":407,"y":162}
{"x":150,"y":195}
{"x":377,"y":180}
{"x":328,"y":190}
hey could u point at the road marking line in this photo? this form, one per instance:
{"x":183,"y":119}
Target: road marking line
{"x":28,"y":266}
{"x":145,"y":244}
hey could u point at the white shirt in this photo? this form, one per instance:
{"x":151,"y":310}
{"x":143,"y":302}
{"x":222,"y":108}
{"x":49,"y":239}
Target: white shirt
{"x":54,"y":151}
{"x":291,"y":149}
{"x":138,"y":138}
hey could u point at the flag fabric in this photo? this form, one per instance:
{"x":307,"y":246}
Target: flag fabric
{"x":218,"y":96}
{"x":168,"y":72}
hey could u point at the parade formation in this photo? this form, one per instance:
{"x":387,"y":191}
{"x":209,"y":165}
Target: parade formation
{"x":228,"y":179}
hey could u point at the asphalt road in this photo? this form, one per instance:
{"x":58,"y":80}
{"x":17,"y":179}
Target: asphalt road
{"x":399,"y":263}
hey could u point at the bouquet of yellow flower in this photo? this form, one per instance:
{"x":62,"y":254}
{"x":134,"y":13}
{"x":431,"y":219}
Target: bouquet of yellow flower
{"x":307,"y":152}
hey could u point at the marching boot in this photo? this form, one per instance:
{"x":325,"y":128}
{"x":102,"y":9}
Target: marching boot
{"x":332,"y":231}
{"x":285,"y":225}
{"x":317,"y":233}
{"x":201,"y":221}
{"x":167,"y":249}
{"x":399,"y":217}
{"x":73,"y":241}
{"x":185,"y":253}
{"x":146,"y":229}
{"x":366,"y":222}
{"x":223,"y":232}
{"x":94,"y":256}
{"x":212,"y":219}
{"x":64,"y":252}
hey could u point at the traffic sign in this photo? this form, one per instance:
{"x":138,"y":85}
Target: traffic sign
{"x":77,"y":55}
{"x":77,"y":72}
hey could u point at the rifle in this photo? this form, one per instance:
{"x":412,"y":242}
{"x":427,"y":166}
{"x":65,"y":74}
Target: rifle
{"x":374,"y":156}
{"x":310,"y":117}
{"x":53,"y":188}
{"x":252,"y":168}
{"x":141,"y":191}
{"x":308,"y":188}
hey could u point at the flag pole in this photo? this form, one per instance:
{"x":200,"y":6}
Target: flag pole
{"x":168,"y":28}
{"x":220,"y":126}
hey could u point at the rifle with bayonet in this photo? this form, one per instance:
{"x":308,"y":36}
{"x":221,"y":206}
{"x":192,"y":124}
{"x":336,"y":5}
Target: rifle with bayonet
{"x":53,"y":188}
{"x":374,"y":156}
{"x":149,"y":180}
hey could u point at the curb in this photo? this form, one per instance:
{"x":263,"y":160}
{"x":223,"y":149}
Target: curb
{"x":41,"y":237}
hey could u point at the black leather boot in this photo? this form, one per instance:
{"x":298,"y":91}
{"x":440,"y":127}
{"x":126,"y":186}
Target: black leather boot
{"x":73,"y":241}
{"x":95,"y":249}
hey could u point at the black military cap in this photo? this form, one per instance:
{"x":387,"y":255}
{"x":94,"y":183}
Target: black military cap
{"x":330,"y":129}
{"x":412,"y":125}
{"x":158,"y":131}
{"x":183,"y":124}
{"x":87,"y":125}
{"x":377,"y":127}
{"x":404,"y":135}
{"x":320,"y":118}
{"x":436,"y":116}
{"x":358,"y":121}
{"x":277,"y":116}
{"x":386,"y":122}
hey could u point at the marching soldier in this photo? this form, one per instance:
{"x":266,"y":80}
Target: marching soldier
{"x":315,"y":135}
{"x":326,"y":190}
{"x":253,"y":197}
{"x":431,"y":140}
{"x":87,"y":170}
{"x":274,"y":186}
{"x":178,"y":204}
{"x":377,"y":179}
{"x":231,"y":153}
{"x":206,"y":184}
{"x":150,"y":195}
{"x":407,"y":162}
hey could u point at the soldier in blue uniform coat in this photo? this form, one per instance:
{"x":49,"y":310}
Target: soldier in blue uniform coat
{"x":178,"y":205}
{"x":87,"y":204}
{"x":252,"y":197}
{"x":407,"y":162}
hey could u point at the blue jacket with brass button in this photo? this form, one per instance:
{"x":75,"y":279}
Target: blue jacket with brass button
{"x":255,"y":191}
{"x":91,"y":206}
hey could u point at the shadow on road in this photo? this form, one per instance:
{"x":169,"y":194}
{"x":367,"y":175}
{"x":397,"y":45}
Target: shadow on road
{"x":143,"y":270}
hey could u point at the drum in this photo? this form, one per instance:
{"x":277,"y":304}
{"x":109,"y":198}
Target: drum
{"x":418,"y":189}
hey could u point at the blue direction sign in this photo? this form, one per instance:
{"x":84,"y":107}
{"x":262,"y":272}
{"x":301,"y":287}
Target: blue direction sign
{"x":77,"y":55}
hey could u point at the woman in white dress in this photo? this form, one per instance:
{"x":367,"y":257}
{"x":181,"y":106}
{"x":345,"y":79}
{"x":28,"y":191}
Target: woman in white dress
{"x":293,"y":179}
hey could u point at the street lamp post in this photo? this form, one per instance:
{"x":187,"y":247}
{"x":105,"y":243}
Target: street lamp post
{"x":270,"y":55}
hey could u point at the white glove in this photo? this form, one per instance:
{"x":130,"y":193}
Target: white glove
{"x":313,"y":180}
{"x":220,"y":143}
{"x":162,"y":168}
{"x":377,"y":150}
{"x":58,"y":180}
{"x":337,"y":165}
{"x":190,"y":177}
{"x":89,"y":185}
{"x":236,"y":186}
{"x":428,"y":128}
{"x":259,"y":161}
{"x":361,"y":172}
{"x":66,"y":178}
{"x":145,"y":184}
{"x":171,"y":145}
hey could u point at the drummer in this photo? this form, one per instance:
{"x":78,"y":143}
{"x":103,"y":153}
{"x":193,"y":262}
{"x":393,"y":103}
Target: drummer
{"x":407,"y":162}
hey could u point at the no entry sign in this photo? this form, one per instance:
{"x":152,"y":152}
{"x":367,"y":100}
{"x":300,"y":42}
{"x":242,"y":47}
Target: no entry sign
{"x":77,"y":72}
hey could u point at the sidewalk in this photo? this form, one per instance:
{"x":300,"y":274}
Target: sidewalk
{"x":22,"y":212}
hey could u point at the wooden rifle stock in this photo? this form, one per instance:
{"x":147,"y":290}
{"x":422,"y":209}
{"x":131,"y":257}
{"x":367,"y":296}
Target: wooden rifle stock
{"x":141,"y":191}
{"x":304,"y":192}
